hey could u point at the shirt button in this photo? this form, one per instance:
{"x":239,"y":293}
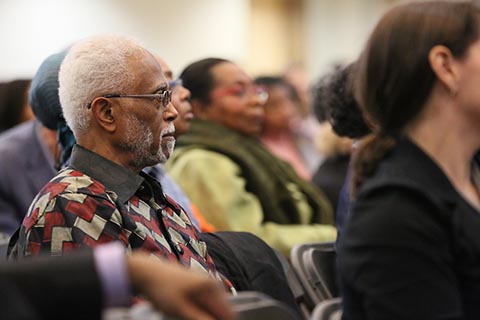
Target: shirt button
{"x":179,"y":248}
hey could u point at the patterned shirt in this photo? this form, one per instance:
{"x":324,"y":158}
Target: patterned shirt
{"x":94,"y":201}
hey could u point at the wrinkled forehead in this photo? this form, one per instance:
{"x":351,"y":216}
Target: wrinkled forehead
{"x":147,"y":72}
{"x":165,"y":68}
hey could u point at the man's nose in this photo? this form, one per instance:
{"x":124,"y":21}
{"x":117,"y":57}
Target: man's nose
{"x":170,"y":113}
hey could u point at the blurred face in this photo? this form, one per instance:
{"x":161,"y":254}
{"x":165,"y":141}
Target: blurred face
{"x":281,"y":113}
{"x":180,"y":100}
{"x":234,"y":100}
{"x":147,"y":125}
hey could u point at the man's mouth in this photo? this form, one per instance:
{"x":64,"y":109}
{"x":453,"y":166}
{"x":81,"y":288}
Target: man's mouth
{"x":169,"y":134}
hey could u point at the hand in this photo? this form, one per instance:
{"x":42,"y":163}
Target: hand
{"x":177,"y":291}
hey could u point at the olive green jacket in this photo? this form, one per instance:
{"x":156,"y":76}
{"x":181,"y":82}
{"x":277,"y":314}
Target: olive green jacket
{"x":239,"y":185}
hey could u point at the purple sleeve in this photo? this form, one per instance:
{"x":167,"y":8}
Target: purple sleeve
{"x":111,"y":266}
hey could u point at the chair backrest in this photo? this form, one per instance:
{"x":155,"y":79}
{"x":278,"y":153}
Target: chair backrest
{"x":320,"y":265}
{"x":247,"y":305}
{"x":295,"y":285}
{"x":315,"y":266}
{"x":330,"y":309}
{"x":251,"y":305}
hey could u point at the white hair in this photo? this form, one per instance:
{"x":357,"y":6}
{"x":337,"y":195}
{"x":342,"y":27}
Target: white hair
{"x":94,"y":67}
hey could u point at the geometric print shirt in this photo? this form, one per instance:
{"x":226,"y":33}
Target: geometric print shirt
{"x":94,"y":201}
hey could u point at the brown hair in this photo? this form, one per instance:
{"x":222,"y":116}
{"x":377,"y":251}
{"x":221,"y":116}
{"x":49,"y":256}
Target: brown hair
{"x":393,"y":78}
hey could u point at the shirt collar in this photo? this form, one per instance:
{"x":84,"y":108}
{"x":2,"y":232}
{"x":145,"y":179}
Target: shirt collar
{"x":113,"y":176}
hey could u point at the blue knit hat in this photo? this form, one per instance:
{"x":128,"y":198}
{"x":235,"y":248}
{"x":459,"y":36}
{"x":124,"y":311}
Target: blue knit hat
{"x":43,"y":95}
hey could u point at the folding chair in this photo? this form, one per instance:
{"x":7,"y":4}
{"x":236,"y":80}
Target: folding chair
{"x":247,"y":305}
{"x":314,"y":264}
{"x":330,"y":309}
{"x":251,"y":305}
{"x":295,"y":285}
{"x":320,"y":265}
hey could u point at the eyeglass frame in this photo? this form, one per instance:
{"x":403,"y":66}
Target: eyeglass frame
{"x":175,"y":83}
{"x":165,"y":95}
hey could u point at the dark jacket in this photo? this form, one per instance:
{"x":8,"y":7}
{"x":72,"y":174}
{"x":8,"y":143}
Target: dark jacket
{"x":250,"y":264}
{"x":25,"y":168}
{"x":411,"y":245}
{"x":51,"y":288}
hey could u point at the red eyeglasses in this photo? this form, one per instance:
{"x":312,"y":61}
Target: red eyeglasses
{"x":242,"y":91}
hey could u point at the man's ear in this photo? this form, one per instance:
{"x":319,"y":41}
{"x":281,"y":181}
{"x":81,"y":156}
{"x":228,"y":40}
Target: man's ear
{"x":445,"y":67}
{"x":104,"y":113}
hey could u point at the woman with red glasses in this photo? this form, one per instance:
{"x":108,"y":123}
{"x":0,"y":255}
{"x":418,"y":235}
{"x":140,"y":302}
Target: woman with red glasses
{"x":234,"y":180}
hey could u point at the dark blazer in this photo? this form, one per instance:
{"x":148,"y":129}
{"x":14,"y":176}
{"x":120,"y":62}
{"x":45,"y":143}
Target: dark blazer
{"x":24,"y":170}
{"x":330,"y":177}
{"x":250,"y":264}
{"x":64,"y":287}
{"x":411,"y":245}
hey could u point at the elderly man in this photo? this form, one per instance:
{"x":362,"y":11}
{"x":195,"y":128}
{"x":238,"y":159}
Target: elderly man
{"x":116,"y":100}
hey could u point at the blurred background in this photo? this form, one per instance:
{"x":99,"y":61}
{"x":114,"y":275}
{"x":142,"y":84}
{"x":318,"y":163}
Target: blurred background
{"x":264,"y":36}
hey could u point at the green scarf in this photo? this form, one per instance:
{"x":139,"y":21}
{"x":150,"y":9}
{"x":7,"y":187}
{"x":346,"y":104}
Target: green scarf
{"x":266,"y":176}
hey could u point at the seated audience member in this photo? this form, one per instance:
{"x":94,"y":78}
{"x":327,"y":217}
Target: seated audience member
{"x":261,"y":272}
{"x":226,"y":171}
{"x":116,"y":100}
{"x":31,"y":153}
{"x":244,"y":258}
{"x":27,"y":157}
{"x":181,"y":102}
{"x":331,"y":174}
{"x":307,"y":130}
{"x":282,"y":118}
{"x":44,"y":288}
{"x":27,"y":163}
{"x":411,"y":245}
{"x":14,"y":108}
{"x":341,"y":123}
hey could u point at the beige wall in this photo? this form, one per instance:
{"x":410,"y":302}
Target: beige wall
{"x":336,"y":30}
{"x":275,"y":35}
{"x":262,"y":35}
{"x":179,"y":30}
{"x":315,"y":34}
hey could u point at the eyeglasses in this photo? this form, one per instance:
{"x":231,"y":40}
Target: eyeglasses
{"x":243,"y":92}
{"x":164,"y":97}
{"x":174,"y":84}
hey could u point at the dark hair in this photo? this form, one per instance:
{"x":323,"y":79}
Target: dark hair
{"x":333,"y":101}
{"x":273,"y":81}
{"x":13,"y":101}
{"x":394,"y":78}
{"x":269,"y":81}
{"x":197,"y":78}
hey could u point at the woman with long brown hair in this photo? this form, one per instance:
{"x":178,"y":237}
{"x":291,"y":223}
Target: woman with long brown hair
{"x":411,"y":247}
